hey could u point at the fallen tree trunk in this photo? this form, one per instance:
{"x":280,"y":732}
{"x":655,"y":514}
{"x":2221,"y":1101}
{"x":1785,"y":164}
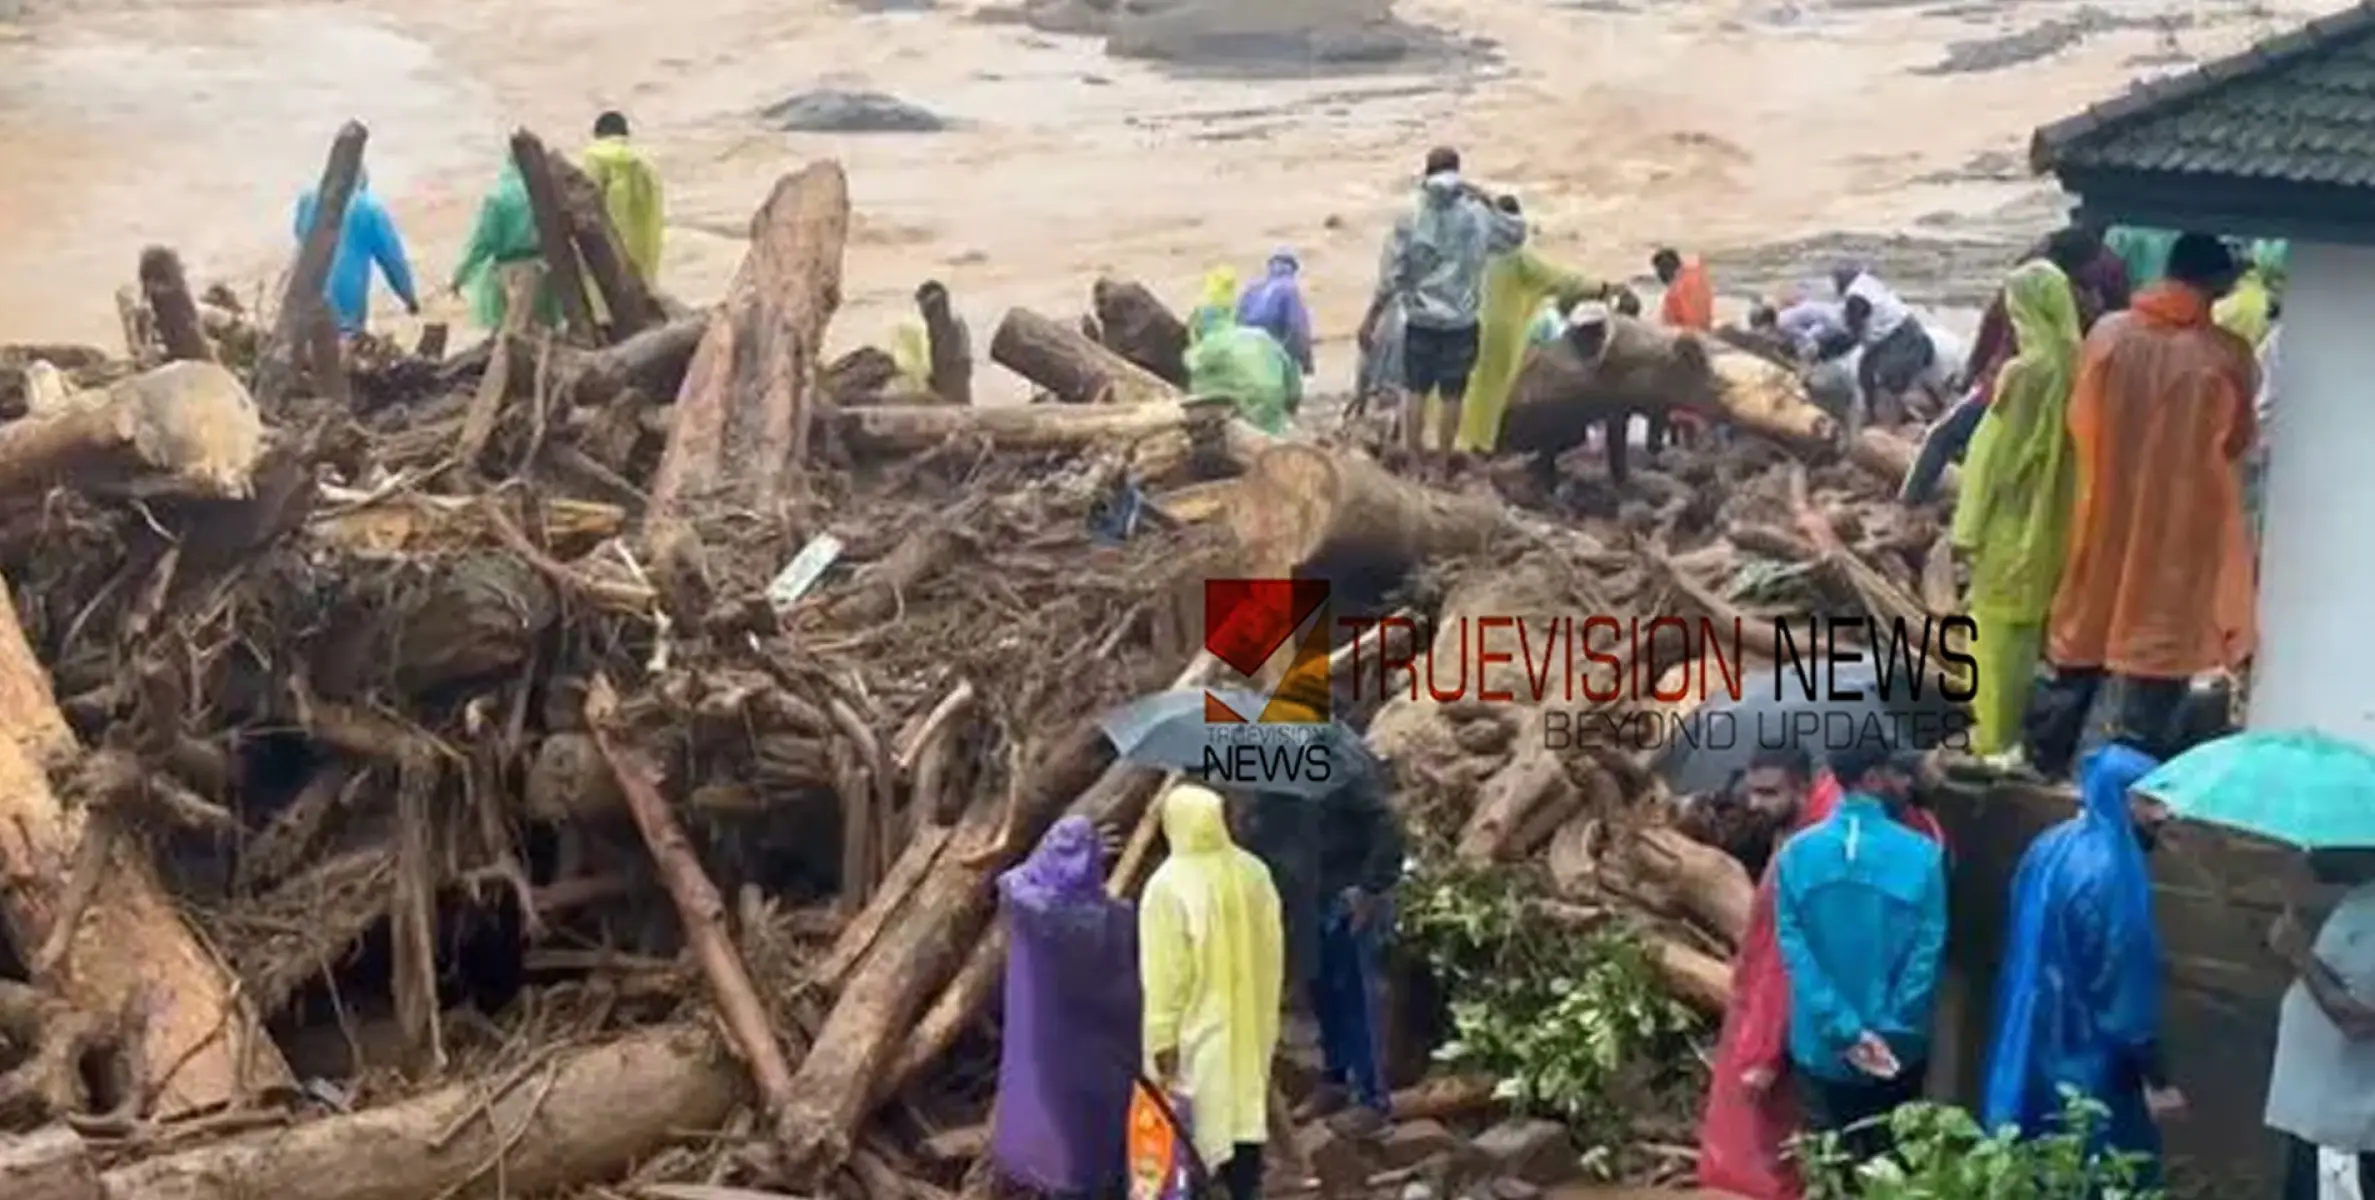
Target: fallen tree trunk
{"x":1665,"y":869}
{"x":626,"y":294}
{"x":552,"y":235}
{"x":1891,"y":458}
{"x":741,"y":418}
{"x":1307,"y":510}
{"x":167,"y":291}
{"x":1702,"y":980}
{"x":586,"y":1116}
{"x":131,"y":958}
{"x":1140,"y":328}
{"x":653,"y":362}
{"x":50,"y":1163}
{"x":906,"y":429}
{"x":276,"y":364}
{"x":1068,"y":365}
{"x":182,"y":429}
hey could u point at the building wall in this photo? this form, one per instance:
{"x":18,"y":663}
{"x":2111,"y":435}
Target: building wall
{"x":2317,"y":563}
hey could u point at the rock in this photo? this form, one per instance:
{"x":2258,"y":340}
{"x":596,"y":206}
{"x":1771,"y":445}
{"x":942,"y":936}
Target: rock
{"x":1515,"y":1189}
{"x":1343,"y":1164}
{"x":1415,"y":1142}
{"x":834,"y":110}
{"x":1535,"y":1151}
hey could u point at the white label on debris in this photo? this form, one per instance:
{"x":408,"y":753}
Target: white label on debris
{"x":802,"y":572}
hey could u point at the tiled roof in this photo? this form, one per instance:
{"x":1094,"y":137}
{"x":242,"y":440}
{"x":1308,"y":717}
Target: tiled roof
{"x":2298,"y":108}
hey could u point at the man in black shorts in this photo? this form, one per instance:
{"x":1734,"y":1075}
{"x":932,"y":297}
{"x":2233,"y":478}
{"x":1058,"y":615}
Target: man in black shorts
{"x":1433,"y":266}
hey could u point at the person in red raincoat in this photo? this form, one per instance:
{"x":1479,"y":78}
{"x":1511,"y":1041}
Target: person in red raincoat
{"x":1744,"y":1133}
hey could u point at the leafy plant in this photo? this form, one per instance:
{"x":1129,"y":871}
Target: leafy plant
{"x":1941,"y":1153}
{"x":1573,"y":1022}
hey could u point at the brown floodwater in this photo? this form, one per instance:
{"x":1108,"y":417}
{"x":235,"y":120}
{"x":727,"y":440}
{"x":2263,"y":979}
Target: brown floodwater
{"x":1721,"y":125}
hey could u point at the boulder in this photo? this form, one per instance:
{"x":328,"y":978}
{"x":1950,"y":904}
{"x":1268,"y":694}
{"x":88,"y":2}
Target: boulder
{"x":835,"y":110}
{"x":1530,"y":1149}
{"x":1415,"y":1142}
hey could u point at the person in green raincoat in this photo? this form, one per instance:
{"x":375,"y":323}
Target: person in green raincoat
{"x":1515,"y":286}
{"x":2144,"y":251}
{"x":505,"y":234}
{"x":2019,"y":483}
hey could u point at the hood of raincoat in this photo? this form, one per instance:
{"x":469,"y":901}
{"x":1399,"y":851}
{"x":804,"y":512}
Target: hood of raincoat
{"x":2172,"y":305}
{"x":1195,"y":822}
{"x":1284,"y":262}
{"x":1068,"y":864}
{"x":2020,"y":473}
{"x":2081,"y":983}
{"x":1440,"y":188}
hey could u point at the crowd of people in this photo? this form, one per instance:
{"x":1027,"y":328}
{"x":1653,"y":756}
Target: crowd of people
{"x":503,"y":235}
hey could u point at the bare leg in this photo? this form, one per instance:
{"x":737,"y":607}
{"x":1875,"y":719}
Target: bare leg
{"x":1619,"y":428}
{"x":1448,"y":434}
{"x":1414,"y":422}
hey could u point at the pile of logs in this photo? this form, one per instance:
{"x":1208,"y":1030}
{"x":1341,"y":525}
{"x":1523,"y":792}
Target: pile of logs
{"x":478,"y":711}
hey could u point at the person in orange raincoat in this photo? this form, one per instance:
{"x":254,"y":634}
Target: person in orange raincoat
{"x":2157,"y":581}
{"x":1751,"y":1112}
{"x":1690,"y":298}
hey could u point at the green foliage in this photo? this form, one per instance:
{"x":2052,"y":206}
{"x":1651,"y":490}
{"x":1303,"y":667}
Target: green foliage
{"x":1575,"y":1024}
{"x":1942,"y":1154}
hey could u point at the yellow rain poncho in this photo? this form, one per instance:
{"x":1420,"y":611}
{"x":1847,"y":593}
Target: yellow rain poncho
{"x":2019,"y":481}
{"x":1212,"y":960}
{"x":1515,"y":285}
{"x":2243,"y":311}
{"x":1217,"y":307}
{"x":631,"y":191}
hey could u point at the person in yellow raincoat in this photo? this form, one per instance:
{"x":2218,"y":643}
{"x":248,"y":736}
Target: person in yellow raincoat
{"x":2156,"y":586}
{"x":2248,"y":310}
{"x":2014,"y":512}
{"x":1217,"y":307}
{"x":630,"y":190}
{"x":1515,"y":285}
{"x":1212,"y":963}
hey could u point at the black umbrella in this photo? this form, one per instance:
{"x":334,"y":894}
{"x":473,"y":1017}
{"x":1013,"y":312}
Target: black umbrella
{"x":1705,"y":750}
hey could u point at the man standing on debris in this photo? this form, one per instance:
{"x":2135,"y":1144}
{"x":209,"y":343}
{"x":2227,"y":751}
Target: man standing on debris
{"x":1690,"y":298}
{"x":1070,"y":1035}
{"x":504,"y":237}
{"x":1433,"y":266}
{"x":1860,"y":916}
{"x":1275,"y":306}
{"x":366,"y":239}
{"x":630,"y":191}
{"x":2321,"y":1095}
{"x":1211,"y":958}
{"x":1516,"y":284}
{"x":1336,"y":860}
{"x":2157,"y":585}
{"x":2078,"y":1005}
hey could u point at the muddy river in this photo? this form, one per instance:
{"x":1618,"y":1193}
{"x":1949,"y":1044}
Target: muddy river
{"x":1770,"y":135}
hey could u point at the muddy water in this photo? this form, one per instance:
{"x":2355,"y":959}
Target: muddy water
{"x":1752,"y":129}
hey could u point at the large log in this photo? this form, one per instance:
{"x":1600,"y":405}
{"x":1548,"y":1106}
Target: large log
{"x":1070,"y":366}
{"x":48,"y":1164}
{"x":561,"y":275}
{"x":183,"y":429}
{"x":130,"y":958}
{"x":899,"y":430}
{"x":303,"y":299}
{"x":626,"y":295}
{"x":741,"y":419}
{"x":1140,"y":328}
{"x":1334,"y":514}
{"x":586,"y":1116}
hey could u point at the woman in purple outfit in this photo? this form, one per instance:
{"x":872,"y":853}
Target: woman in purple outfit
{"x":1070,"y":1052}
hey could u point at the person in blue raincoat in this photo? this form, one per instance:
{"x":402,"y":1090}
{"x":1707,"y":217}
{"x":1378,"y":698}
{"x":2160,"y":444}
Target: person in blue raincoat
{"x":366,"y":239}
{"x":2078,"y":1005}
{"x":1860,"y":916}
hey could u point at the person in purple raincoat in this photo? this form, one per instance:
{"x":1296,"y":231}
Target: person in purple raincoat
{"x":1070,"y":1052}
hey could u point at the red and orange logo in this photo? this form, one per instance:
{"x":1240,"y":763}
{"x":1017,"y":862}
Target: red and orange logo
{"x":1248,"y":624}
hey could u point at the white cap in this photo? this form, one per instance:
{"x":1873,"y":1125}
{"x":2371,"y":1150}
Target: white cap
{"x":1586,"y":313}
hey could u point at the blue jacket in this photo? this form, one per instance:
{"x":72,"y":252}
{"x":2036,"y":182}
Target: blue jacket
{"x":1275,"y":306}
{"x":2078,"y":1004}
{"x":369,"y":238}
{"x":1860,"y":908}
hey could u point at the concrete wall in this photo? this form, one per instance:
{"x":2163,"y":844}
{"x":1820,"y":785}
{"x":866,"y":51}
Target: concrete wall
{"x":2317,"y":566}
{"x":2223,"y":988}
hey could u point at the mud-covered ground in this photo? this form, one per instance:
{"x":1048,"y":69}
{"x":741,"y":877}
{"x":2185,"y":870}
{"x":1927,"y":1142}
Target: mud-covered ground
{"x":1150,"y":138}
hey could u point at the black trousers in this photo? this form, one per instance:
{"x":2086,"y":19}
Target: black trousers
{"x":2145,"y":714}
{"x":1857,"y":1110}
{"x":1241,"y":1176}
{"x":2300,"y":1171}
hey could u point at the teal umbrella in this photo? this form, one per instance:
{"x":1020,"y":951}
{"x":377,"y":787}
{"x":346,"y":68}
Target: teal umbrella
{"x":2299,"y":787}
